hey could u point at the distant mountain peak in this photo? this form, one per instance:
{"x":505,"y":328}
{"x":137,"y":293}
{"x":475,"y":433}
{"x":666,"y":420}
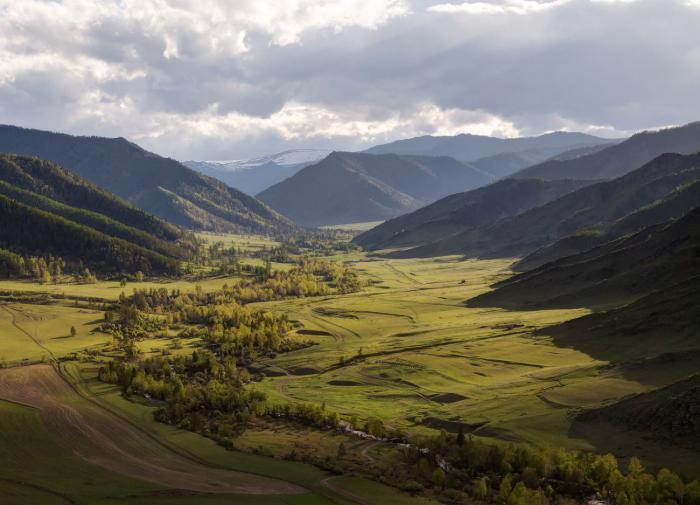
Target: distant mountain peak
{"x":283,"y":159}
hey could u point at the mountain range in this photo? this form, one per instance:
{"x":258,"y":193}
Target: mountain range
{"x":254,"y":175}
{"x":160,"y":186}
{"x":466,"y":147}
{"x":359,"y":187}
{"x":593,"y":206}
{"x":621,"y":158}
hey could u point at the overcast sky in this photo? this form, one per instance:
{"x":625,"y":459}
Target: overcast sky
{"x":205,"y":79}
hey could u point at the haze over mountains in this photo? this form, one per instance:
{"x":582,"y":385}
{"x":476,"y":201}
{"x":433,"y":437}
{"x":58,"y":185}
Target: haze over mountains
{"x":254,"y":175}
{"x":360,"y":187}
{"x":158,"y":185}
{"x":468,"y":147}
{"x":392,"y":179}
{"x":524,"y":232}
{"x":619,"y":159}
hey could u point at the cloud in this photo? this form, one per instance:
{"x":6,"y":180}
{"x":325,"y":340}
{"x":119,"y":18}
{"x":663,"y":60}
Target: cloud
{"x":520,"y":7}
{"x":216,"y":79}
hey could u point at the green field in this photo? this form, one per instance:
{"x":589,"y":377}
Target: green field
{"x":359,"y":227}
{"x":406,"y":349}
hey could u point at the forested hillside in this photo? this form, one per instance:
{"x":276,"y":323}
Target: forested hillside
{"x":160,"y":186}
{"x":49,"y":213}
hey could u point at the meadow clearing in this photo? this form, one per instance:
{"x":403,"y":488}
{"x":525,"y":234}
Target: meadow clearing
{"x":405,"y":350}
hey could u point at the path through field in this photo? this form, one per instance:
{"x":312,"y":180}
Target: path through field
{"x":103,"y":439}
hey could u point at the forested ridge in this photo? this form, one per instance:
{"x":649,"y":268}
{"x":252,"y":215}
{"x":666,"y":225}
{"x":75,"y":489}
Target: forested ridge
{"x":51,"y":214}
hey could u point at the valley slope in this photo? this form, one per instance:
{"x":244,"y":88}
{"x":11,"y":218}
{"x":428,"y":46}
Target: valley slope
{"x":160,"y":186}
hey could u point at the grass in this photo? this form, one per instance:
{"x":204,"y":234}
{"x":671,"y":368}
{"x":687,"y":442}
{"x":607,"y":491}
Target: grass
{"x":413,"y":354}
{"x":247,"y":243}
{"x":353,"y":226}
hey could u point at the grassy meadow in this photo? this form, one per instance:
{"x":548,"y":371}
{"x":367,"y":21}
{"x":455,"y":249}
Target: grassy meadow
{"x":405,"y":350}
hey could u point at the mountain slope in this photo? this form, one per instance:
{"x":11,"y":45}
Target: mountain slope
{"x":358,"y":187}
{"x":467,"y":147}
{"x":596,"y":205}
{"x":653,"y":259}
{"x":461,"y":211}
{"x":46,"y":210}
{"x":256,"y":175}
{"x":621,"y":158}
{"x":140,"y":177}
{"x":672,"y":206}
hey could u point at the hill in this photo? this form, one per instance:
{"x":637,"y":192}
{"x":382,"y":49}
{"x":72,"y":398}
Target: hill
{"x":656,"y":258}
{"x":593,"y":206}
{"x":461,"y":211}
{"x":619,"y":159}
{"x":255,"y":175}
{"x":669,"y":412}
{"x":671,"y":206}
{"x":466,"y":147}
{"x":160,"y":186}
{"x":50,"y":212}
{"x":357,"y":187}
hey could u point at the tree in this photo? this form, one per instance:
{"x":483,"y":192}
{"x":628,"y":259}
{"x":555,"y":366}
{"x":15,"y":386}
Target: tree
{"x":438,"y":477}
{"x":482,"y":489}
{"x":505,"y":488}
{"x":692,"y":493}
{"x":73,"y":331}
{"x":635,"y":466}
{"x":460,"y":436}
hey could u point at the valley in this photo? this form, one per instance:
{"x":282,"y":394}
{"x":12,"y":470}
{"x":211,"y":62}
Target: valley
{"x":405,"y":350}
{"x":344,"y":252}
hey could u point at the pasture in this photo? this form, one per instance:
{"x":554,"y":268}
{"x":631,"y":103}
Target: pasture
{"x":405,"y":350}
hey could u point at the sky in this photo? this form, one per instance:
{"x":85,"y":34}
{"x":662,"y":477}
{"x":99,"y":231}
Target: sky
{"x":216,"y":80}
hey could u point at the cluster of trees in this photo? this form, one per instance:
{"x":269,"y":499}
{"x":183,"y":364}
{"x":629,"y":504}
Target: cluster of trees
{"x":462,"y":469}
{"x":309,"y":279}
{"x":42,"y":269}
{"x":200,"y":392}
{"x":309,"y":414}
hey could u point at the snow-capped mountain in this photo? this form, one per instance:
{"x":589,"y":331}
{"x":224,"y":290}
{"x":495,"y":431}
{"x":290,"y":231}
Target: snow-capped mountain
{"x":254,"y":175}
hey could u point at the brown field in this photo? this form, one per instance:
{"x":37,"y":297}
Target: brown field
{"x":101,"y":438}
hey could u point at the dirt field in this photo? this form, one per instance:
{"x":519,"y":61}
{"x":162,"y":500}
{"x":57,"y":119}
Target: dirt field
{"x":103,"y":439}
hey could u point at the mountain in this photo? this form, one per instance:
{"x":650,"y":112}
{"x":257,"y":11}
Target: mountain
{"x":158,"y":185}
{"x":671,"y":206}
{"x":594,"y":206}
{"x":459,"y":212}
{"x":358,"y":187}
{"x":621,"y":158}
{"x":255,"y":175}
{"x":504,"y":164}
{"x":654,"y":259}
{"x":49,"y":211}
{"x":466,"y":147}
